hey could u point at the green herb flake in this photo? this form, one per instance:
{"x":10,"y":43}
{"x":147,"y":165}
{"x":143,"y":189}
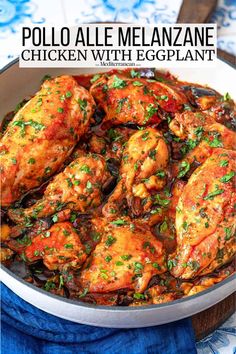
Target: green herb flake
{"x":119,"y":263}
{"x":69,"y":245}
{"x":110,"y":240}
{"x":68,"y":94}
{"x":126,"y":257}
{"x":184,"y":168}
{"x":31,"y":161}
{"x":226,"y":178}
{"x":119,"y":222}
{"x":224,"y":163}
{"x":137,"y":83}
{"x":85,"y":168}
{"x":60,"y":110}
{"x":118,"y":83}
{"x":139,"y":296}
{"x":95,"y":78}
{"x":216,"y":192}
{"x":134,"y":74}
{"x":108,"y":258}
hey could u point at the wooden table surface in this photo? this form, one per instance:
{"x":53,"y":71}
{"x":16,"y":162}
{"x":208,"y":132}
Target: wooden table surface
{"x":207,"y":321}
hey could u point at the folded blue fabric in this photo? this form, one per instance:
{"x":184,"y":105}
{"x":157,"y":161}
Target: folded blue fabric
{"x":28,"y":330}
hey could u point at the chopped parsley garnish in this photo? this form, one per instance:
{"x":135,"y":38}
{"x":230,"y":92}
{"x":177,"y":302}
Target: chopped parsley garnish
{"x":224,"y":163}
{"x":137,"y":83}
{"x":68,"y":245}
{"x":145,"y":136}
{"x":118,"y":83}
{"x":89,"y":186}
{"x":137,"y":267}
{"x":31,"y":161}
{"x":68,"y":94}
{"x":187,"y":107}
{"x":60,"y":110}
{"x":152,"y":154}
{"x":108,"y":258}
{"x":228,"y":233}
{"x":163,"y":227}
{"x":150,"y":111}
{"x":139,"y":296}
{"x":120,"y":104}
{"x":85,"y":168}
{"x":84,"y":292}
{"x":110,"y":240}
{"x":227,"y":97}
{"x":160,"y":201}
{"x":126,"y":257}
{"x":134,"y":74}
{"x":119,"y":263}
{"x":95,"y":78}
{"x":171,"y":263}
{"x":226,"y":178}
{"x":156,"y":265}
{"x":160,"y":174}
{"x":119,"y":222}
{"x":184,"y":168}
{"x":216,"y":192}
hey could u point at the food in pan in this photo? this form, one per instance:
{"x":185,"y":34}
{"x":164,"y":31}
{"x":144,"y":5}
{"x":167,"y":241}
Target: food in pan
{"x":119,"y":188}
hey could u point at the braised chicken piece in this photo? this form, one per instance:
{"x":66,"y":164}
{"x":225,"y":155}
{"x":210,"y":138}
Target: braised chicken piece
{"x":144,"y":158}
{"x":137,"y":100}
{"x":42,"y":135}
{"x":204,"y":221}
{"x":190,"y":124}
{"x":202,"y":139}
{"x":126,"y":258}
{"x":59,"y":247}
{"x":78,"y":187}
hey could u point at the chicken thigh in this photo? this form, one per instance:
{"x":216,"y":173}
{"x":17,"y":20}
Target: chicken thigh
{"x":42,"y":135}
{"x":59,"y":247}
{"x":205,"y":218}
{"x":78,"y":187}
{"x":137,"y":101}
{"x":126,"y":258}
{"x":144,"y":158}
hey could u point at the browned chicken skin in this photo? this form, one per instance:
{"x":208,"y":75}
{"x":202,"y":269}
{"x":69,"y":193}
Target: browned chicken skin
{"x":145,"y":155}
{"x":204,"y":218}
{"x":59,"y":247}
{"x":42,"y":135}
{"x":138,"y":101}
{"x":127,"y":257}
{"x":78,"y":187}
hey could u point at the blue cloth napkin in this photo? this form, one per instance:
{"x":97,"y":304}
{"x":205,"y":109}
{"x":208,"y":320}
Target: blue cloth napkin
{"x":28,"y":330}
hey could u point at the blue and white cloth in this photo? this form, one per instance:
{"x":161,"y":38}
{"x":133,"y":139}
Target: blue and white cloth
{"x":15,"y":13}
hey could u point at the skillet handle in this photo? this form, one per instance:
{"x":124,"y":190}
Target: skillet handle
{"x":200,"y":11}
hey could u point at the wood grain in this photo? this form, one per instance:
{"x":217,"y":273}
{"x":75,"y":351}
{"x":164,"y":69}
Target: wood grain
{"x":196,"y":11}
{"x":207,"y":321}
